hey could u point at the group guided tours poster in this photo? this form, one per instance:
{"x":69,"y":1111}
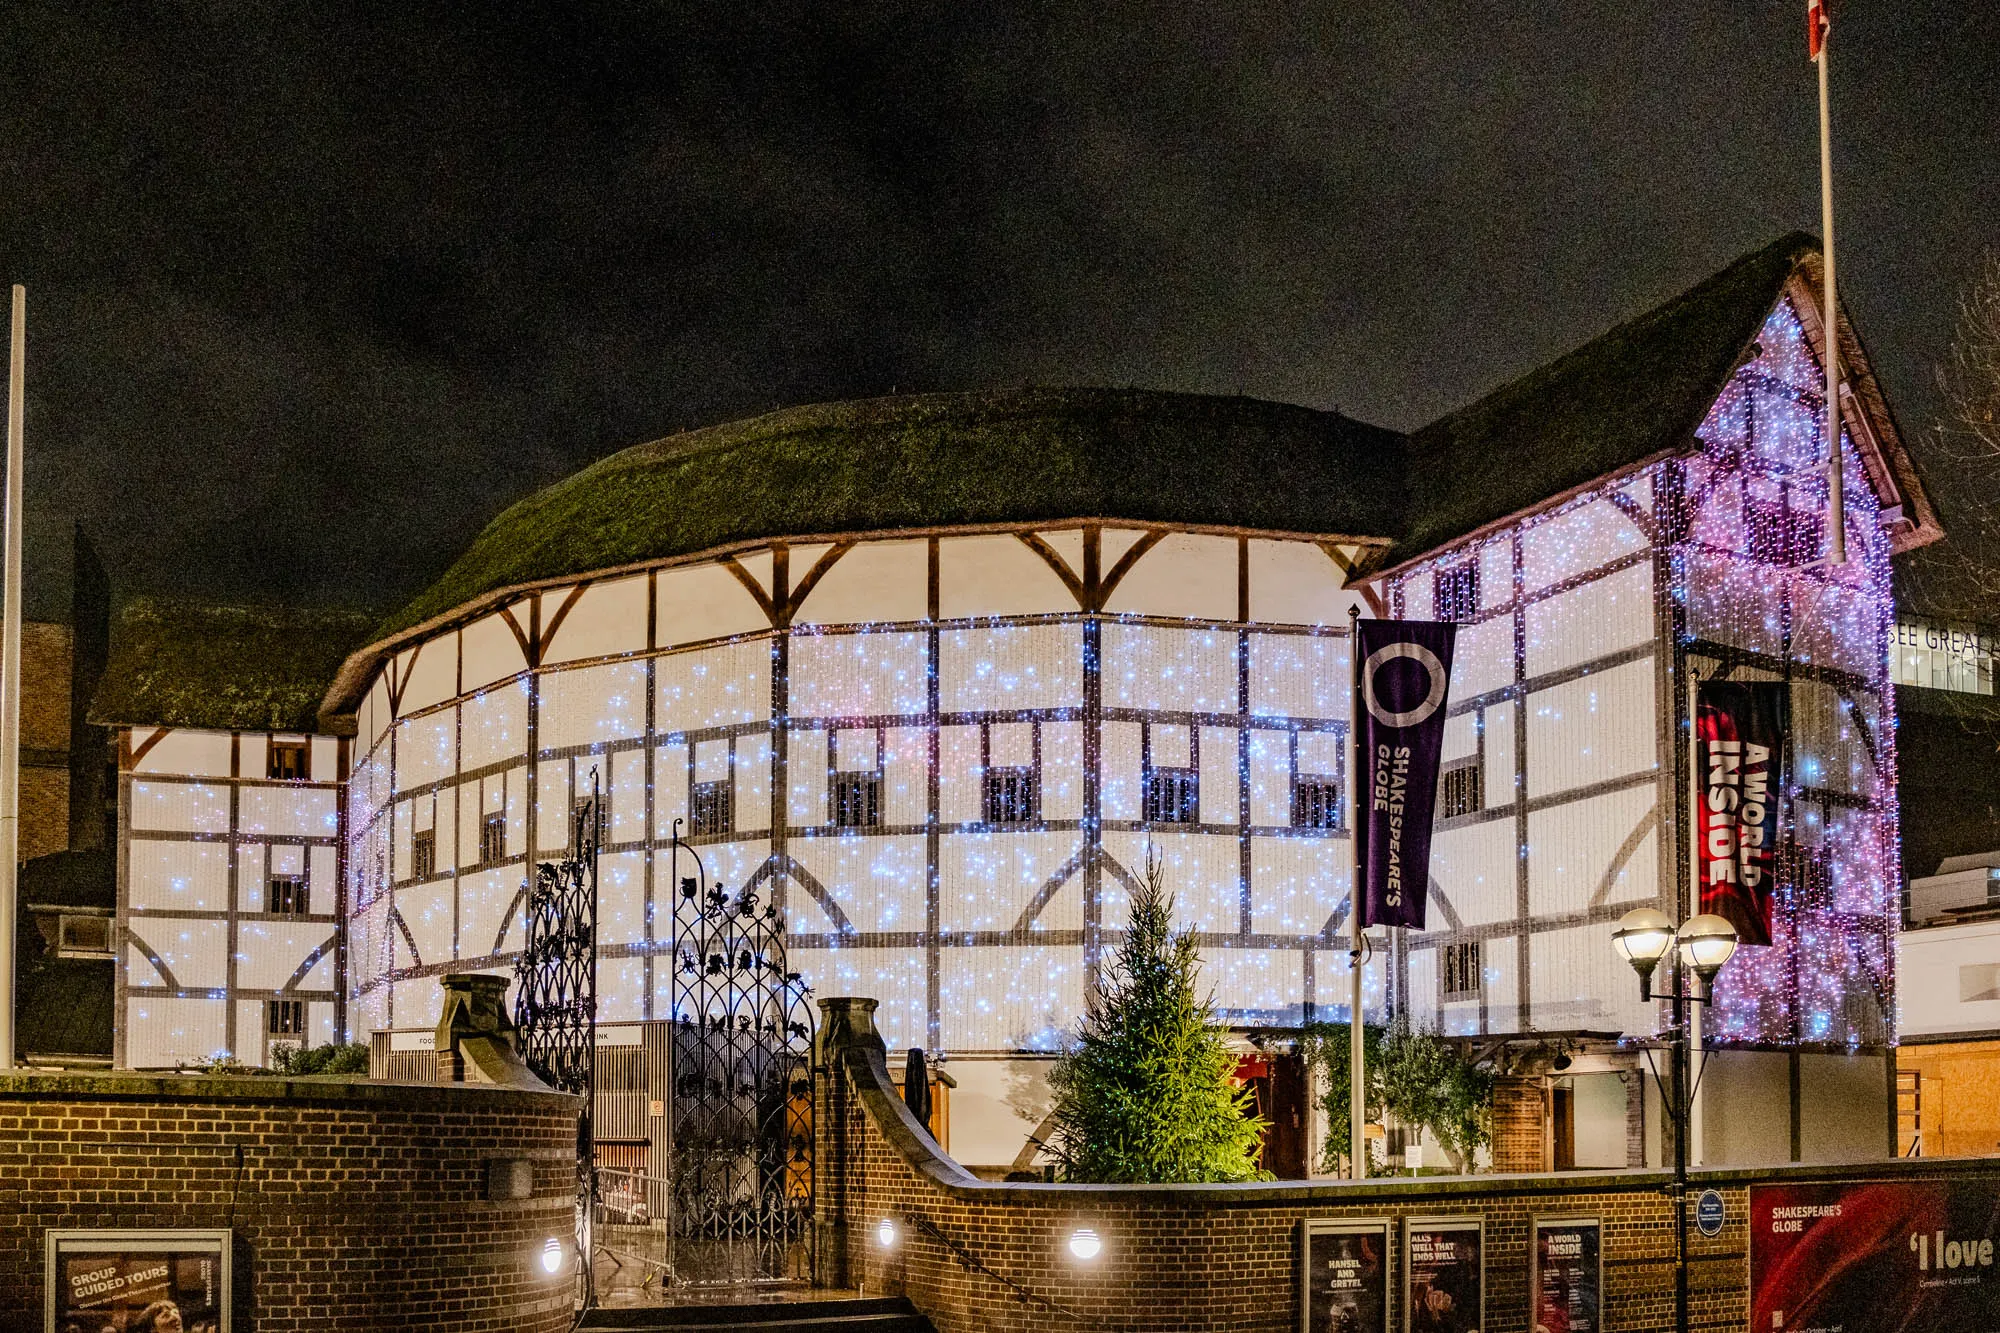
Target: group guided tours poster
{"x":1445,"y":1281}
{"x":138,"y":1281}
{"x":1568,"y":1287}
{"x":1345,"y":1271}
{"x":1885,"y":1256}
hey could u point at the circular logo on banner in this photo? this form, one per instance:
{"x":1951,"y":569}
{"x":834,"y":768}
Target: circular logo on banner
{"x":1708,"y":1213}
{"x":1434,"y":672}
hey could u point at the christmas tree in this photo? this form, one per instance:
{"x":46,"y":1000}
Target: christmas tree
{"x":1145,"y":1093}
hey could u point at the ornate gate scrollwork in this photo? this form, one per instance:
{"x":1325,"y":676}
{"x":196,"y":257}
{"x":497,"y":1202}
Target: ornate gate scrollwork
{"x":556,"y":1001}
{"x":742,"y":1175}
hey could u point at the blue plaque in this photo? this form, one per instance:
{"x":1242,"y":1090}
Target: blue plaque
{"x":1708,"y":1213}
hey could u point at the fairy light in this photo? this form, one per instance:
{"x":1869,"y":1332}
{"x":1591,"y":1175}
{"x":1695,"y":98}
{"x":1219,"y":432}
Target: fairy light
{"x":1758,"y":443}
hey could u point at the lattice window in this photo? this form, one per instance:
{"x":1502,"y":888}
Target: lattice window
{"x":1173,"y":796}
{"x":285,"y":1018}
{"x":1780,"y":535}
{"x":493,"y":838}
{"x":857,"y":800}
{"x":289,"y":896}
{"x":1455,"y":591}
{"x":288,"y":761}
{"x":712,"y":808}
{"x":1461,"y":790}
{"x":1318,"y":801}
{"x":1012,"y":795}
{"x":423,"y":854}
{"x":1461,"y":968}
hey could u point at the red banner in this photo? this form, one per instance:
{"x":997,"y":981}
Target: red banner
{"x":1740,"y":732}
{"x":1905,"y":1256}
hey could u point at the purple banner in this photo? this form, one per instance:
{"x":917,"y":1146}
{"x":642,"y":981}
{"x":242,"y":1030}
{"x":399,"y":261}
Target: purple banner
{"x":1401,"y":688}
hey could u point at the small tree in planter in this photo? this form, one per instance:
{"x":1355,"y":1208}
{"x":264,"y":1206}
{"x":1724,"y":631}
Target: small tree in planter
{"x":1144,"y":1095}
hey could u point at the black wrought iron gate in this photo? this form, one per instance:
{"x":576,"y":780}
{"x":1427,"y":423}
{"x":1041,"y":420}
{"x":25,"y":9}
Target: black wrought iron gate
{"x":556,"y":1003}
{"x":742,"y":1091}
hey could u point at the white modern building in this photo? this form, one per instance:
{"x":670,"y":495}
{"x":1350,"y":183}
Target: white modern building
{"x":934,"y":673}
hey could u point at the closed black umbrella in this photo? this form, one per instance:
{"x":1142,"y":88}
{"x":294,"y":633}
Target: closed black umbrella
{"x":917,"y":1087}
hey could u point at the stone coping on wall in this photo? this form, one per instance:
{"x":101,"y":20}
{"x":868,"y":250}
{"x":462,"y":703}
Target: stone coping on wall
{"x":851,"y":1044}
{"x":257,"y":1088}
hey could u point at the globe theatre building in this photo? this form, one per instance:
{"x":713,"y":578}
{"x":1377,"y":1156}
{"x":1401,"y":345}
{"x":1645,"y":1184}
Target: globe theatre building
{"x":936,"y":675}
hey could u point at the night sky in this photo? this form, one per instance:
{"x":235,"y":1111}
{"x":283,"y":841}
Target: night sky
{"x":316,"y":289}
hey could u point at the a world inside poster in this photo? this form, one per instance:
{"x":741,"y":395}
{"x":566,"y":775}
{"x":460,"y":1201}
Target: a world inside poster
{"x":138,"y":1282}
{"x":1904,"y":1256}
{"x":1445,"y":1283}
{"x":1568,"y":1287}
{"x":1345,"y":1271}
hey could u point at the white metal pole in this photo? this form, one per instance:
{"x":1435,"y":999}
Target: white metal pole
{"x":10,"y":681}
{"x":1836,"y":550}
{"x":1357,"y":1104}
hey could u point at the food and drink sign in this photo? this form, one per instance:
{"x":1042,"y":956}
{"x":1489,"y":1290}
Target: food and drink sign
{"x":138,"y":1282}
{"x":1875,"y":1257}
{"x":1568,"y":1284}
{"x":1444,"y":1287}
{"x":1345,"y":1270}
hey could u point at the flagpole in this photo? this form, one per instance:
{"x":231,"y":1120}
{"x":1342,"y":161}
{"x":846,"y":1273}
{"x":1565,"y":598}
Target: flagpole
{"x":1830,"y":313}
{"x":1357,"y":1108}
{"x":10,"y":680}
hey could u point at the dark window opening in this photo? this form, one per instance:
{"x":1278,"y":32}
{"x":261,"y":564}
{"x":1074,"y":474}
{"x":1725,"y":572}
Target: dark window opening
{"x":1777,"y":534}
{"x":712,"y":808}
{"x":493,"y":838}
{"x":1455,"y":592}
{"x":857,"y":800}
{"x":288,"y":761}
{"x":1461,"y":790}
{"x":423,"y":854}
{"x":1012,"y":796}
{"x":1463,"y":975}
{"x":83,"y":935}
{"x":288,"y":896}
{"x":1317,"y":801}
{"x":285,"y":1018}
{"x":1173,"y":796}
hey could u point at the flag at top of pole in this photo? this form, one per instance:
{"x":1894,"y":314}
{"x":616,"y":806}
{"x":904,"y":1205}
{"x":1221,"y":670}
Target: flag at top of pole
{"x":1817,"y":23}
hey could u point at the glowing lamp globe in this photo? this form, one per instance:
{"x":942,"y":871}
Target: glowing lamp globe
{"x":885,"y":1233}
{"x":1085,"y":1244}
{"x":1706,"y":943}
{"x":1642,"y":937}
{"x":552,"y":1256}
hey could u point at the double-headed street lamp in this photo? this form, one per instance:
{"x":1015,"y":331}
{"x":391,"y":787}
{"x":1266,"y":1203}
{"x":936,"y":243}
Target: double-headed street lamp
{"x":1699,"y":946}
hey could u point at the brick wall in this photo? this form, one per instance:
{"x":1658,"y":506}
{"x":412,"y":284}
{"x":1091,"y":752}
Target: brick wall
{"x":45,"y":738}
{"x":355,"y":1205}
{"x":982,"y":1257}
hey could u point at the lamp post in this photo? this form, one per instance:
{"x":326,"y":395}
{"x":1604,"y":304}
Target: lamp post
{"x":1700,"y":946}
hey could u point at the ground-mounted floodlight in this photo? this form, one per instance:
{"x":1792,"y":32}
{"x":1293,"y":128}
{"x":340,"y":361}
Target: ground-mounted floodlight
{"x":1085,"y":1244}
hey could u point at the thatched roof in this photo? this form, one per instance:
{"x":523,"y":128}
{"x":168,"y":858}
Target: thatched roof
{"x":228,"y":668}
{"x":1634,"y":392}
{"x":937,"y":460}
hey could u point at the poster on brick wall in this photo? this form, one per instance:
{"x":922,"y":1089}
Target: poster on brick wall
{"x":1882,"y":1256}
{"x":1567,"y":1287}
{"x":1444,"y":1275}
{"x":1344,"y":1277}
{"x":138,"y":1282}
